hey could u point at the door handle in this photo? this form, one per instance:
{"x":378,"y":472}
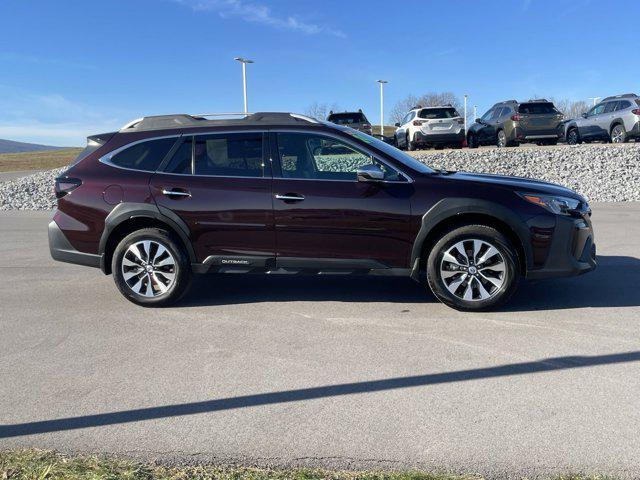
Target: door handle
{"x":175,"y":193}
{"x":290,"y":197}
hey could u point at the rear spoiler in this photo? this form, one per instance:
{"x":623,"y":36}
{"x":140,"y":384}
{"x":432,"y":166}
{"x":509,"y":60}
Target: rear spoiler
{"x":94,"y":142}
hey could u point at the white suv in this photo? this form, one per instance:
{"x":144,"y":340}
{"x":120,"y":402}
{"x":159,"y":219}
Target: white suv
{"x":431,"y":127}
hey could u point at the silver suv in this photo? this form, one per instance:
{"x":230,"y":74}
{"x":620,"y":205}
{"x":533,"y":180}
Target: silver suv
{"x":615,"y":119}
{"x":430,"y":127}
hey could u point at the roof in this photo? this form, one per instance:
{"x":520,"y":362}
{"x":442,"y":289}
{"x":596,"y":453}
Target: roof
{"x":624,"y":95}
{"x":182,"y":120}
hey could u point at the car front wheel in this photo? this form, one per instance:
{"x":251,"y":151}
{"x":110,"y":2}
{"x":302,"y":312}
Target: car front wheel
{"x":150,"y":268}
{"x":473,"y":268}
{"x":572,"y":137}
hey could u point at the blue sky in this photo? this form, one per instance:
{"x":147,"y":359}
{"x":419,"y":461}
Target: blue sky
{"x":70,"y":68}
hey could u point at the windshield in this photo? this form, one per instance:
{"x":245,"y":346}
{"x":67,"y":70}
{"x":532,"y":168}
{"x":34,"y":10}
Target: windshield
{"x":390,"y":150}
{"x":347,"y":118}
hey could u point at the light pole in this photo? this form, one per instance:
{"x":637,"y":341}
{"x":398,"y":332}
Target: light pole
{"x":475,"y":112}
{"x":595,"y":99}
{"x":244,"y":62}
{"x":465,"y":113}
{"x":382,"y":82}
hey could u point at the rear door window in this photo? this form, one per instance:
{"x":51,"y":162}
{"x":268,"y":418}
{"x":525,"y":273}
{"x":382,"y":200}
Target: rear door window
{"x":610,"y":107}
{"x":145,"y":156}
{"x":229,"y":155}
{"x":181,"y":162}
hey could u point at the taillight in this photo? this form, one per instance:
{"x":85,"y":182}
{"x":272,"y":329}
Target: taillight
{"x":636,"y":111}
{"x":418,"y":123}
{"x":366,"y":125}
{"x":66,"y":185}
{"x":516,"y":117}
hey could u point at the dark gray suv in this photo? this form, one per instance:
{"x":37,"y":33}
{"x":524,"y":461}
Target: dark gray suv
{"x":356,"y":120}
{"x":510,"y":123}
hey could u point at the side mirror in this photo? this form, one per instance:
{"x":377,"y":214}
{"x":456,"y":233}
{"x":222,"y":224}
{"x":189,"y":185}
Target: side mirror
{"x":370,"y":173}
{"x":584,"y":115}
{"x":397,"y":124}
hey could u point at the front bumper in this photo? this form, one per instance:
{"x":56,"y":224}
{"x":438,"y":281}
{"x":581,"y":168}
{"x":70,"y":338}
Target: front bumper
{"x":572,"y":250}
{"x":62,"y":250}
{"x":439,"y":138}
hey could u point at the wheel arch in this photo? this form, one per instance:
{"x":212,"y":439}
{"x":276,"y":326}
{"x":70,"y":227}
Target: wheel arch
{"x":615,"y":123}
{"x":452,"y":213}
{"x":126,"y":218}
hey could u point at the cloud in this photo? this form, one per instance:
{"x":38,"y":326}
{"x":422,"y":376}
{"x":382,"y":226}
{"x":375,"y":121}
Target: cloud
{"x":51,"y":118}
{"x":258,"y":13}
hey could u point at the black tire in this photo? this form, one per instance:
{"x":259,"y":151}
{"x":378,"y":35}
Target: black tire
{"x":501,"y":139}
{"x":572,"y":137}
{"x":472,"y":141}
{"x":410,"y":145}
{"x":175,"y":275}
{"x":618,"y":134}
{"x":507,"y":260}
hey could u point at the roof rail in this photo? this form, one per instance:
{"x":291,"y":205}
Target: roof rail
{"x":506,"y":101}
{"x":182,"y":120}
{"x":624,"y":95}
{"x":538,"y":100}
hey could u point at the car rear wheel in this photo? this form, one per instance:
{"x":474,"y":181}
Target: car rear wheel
{"x":501,"y":139}
{"x":150,"y":268}
{"x":410,"y":145}
{"x":618,"y":134}
{"x":473,"y":268}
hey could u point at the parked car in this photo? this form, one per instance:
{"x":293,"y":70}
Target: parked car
{"x":510,"y":123}
{"x":430,"y":127}
{"x":168,"y":197}
{"x":615,"y":119}
{"x":356,"y":120}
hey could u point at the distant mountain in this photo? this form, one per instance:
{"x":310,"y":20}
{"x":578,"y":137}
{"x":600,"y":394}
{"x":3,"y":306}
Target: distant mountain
{"x":9,"y":146}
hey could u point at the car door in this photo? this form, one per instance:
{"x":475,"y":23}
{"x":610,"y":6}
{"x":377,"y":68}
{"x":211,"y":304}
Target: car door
{"x":324,"y":217}
{"x":219,"y":184}
{"x":588,"y":127}
{"x":487,"y":131}
{"x":606,"y":118}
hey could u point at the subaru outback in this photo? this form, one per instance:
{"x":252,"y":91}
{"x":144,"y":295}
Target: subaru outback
{"x":430,"y":127}
{"x":356,"y":120}
{"x":616,"y":119}
{"x":507,"y":124}
{"x":167,"y":197}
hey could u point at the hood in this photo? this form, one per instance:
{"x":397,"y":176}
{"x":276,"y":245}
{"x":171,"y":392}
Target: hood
{"x":519,"y":184}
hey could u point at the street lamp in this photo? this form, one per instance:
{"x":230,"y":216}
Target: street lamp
{"x":595,"y":99}
{"x":382,"y":82}
{"x":475,"y":112}
{"x":244,"y":62}
{"x":465,"y":113}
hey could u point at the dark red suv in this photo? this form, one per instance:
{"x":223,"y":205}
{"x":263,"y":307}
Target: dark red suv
{"x":170,"y":196}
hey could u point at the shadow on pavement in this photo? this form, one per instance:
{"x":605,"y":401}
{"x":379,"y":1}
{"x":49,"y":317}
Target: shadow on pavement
{"x":613,"y":284}
{"x":297,"y":395}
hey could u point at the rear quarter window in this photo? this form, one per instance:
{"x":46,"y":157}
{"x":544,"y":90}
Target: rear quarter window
{"x":145,"y":156}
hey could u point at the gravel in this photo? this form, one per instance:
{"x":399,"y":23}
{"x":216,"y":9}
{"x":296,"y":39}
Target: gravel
{"x":604,"y":173}
{"x":599,"y":172}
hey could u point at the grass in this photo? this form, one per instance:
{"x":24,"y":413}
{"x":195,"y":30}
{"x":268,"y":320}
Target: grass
{"x":41,"y":160}
{"x":46,"y":465}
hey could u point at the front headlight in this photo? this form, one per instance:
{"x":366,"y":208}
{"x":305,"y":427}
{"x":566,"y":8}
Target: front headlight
{"x":558,"y":205}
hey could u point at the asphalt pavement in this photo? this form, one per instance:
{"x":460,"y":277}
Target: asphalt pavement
{"x":326,"y":372}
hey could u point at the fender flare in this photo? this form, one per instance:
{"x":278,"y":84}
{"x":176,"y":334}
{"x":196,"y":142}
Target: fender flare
{"x":614,"y":122}
{"x":127,"y":211}
{"x":448,"y":208}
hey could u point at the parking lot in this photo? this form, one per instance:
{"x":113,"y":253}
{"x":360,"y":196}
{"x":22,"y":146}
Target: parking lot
{"x":330,"y":372}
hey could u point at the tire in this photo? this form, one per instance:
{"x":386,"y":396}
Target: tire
{"x":473,"y":286}
{"x":471,"y":141}
{"x":618,"y":134}
{"x":156,"y":283}
{"x":572,"y":137}
{"x":410,"y":145}
{"x":501,"y":139}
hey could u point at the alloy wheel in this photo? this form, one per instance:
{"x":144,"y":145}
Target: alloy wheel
{"x":572,"y":138}
{"x":148,"y":268}
{"x":473,"y":270}
{"x":502,"y":139}
{"x":617,"y":135}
